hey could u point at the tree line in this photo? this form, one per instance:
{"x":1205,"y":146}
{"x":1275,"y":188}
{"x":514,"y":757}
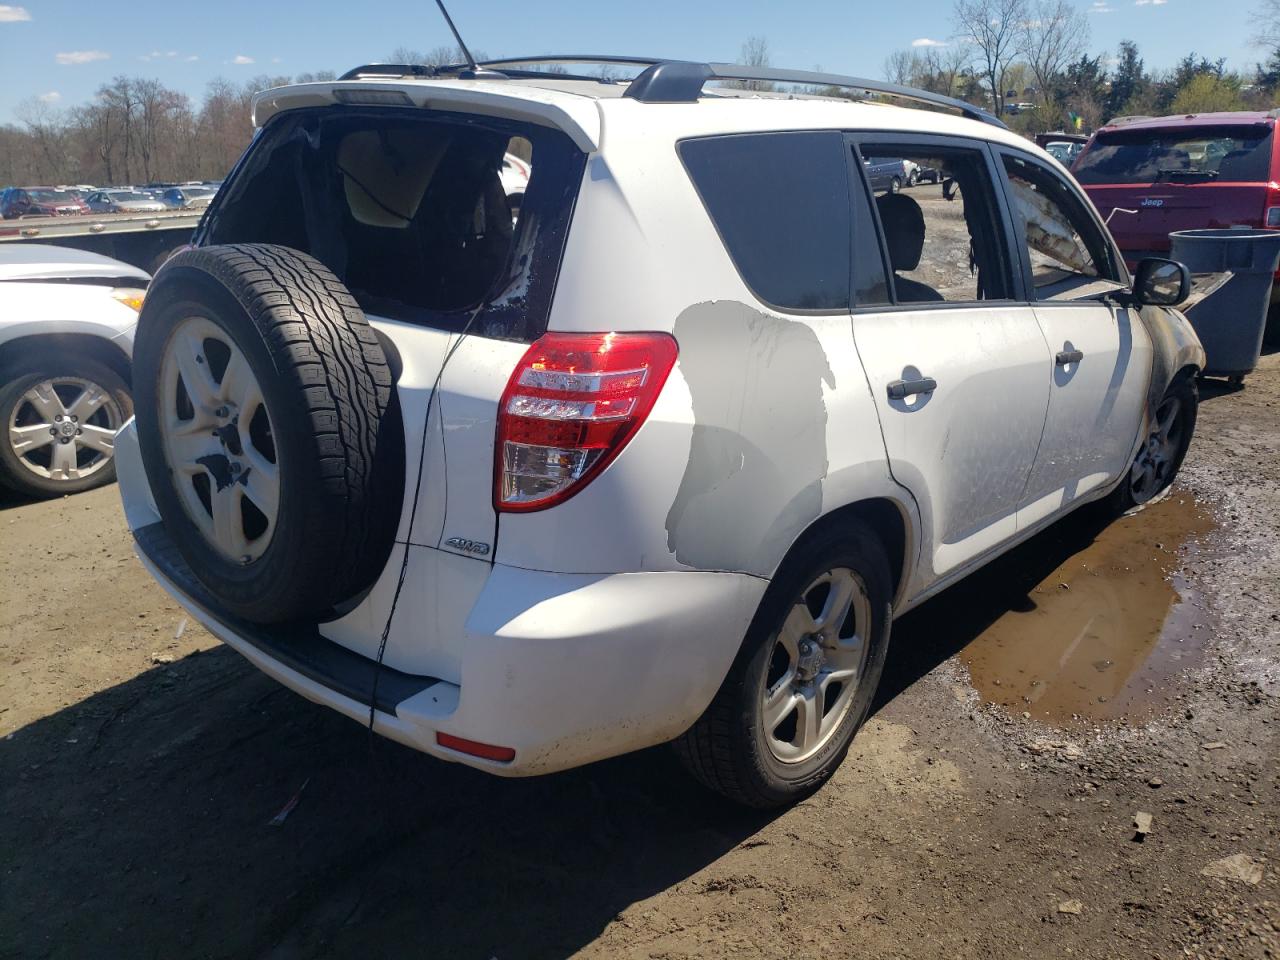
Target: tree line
{"x":1003,"y":54}
{"x":133,"y":130}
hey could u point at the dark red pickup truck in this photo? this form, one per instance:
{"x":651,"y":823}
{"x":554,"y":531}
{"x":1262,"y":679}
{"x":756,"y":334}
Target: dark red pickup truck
{"x":1150,"y":176}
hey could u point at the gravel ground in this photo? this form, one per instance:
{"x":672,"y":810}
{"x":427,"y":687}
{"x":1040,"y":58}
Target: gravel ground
{"x":141,"y":764}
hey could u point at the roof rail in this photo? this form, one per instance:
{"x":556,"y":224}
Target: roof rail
{"x":676,"y":81}
{"x":398,"y":70}
{"x":671,"y":81}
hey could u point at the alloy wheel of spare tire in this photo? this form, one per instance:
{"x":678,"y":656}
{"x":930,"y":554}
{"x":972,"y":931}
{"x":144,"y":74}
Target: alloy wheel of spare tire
{"x":803,"y":682}
{"x":269,"y":430}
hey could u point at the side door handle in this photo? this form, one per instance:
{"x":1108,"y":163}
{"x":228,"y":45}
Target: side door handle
{"x":1067,"y":357}
{"x":901,"y":389}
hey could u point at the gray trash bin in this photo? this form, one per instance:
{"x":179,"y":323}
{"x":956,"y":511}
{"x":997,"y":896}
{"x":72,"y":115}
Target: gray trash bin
{"x":1230,"y":321}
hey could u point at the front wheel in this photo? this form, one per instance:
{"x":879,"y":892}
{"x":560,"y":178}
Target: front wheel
{"x":1163,"y":448}
{"x":802,"y":684}
{"x":60,"y":422}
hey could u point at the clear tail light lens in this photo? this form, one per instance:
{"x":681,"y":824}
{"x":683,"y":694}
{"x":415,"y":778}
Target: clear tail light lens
{"x":571,"y":405}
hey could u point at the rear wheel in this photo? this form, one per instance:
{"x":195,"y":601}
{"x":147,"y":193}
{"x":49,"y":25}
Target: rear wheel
{"x":804,"y":679}
{"x":60,"y":421}
{"x":895,"y":185}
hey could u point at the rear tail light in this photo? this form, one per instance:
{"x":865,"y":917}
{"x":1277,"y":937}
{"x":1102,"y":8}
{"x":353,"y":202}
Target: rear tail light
{"x":571,"y":405}
{"x":1272,"y":217}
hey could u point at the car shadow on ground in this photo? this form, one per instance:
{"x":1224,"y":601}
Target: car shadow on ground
{"x":137,"y":824}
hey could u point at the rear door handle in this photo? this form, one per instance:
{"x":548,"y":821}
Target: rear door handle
{"x":1067,"y":357}
{"x":901,"y":389}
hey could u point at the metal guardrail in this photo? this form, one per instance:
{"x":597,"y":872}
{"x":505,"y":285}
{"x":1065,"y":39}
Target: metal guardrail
{"x":44,"y":228}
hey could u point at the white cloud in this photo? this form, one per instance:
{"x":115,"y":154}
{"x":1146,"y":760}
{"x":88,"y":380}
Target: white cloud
{"x":927,"y":42}
{"x":191,"y":59}
{"x":275,"y":59}
{"x":1149,"y":3}
{"x":171,"y":53}
{"x":1102,"y":6}
{"x":53,"y":96}
{"x":81,"y":56}
{"x":240,"y":59}
{"x":10,"y":14}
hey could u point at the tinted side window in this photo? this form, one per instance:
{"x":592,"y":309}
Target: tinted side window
{"x":781,"y":204}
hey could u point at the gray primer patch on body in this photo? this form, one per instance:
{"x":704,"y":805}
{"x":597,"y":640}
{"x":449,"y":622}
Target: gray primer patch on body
{"x":759,"y":449}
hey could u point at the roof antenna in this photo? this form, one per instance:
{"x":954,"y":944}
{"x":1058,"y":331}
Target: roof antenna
{"x":476,"y":72}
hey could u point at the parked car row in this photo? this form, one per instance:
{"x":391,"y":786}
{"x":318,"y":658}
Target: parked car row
{"x":62,"y":201}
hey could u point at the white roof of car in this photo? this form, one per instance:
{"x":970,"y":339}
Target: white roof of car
{"x":579,"y":108}
{"x":42,"y":261}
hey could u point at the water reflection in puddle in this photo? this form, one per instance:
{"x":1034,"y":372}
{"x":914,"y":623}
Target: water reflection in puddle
{"x":1101,"y":635}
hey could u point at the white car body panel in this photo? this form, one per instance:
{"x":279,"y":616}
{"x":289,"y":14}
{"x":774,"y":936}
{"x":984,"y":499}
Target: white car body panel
{"x":1093,"y":405}
{"x":964,"y":451}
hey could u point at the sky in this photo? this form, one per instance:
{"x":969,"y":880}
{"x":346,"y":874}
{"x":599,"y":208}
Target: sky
{"x":62,"y":50}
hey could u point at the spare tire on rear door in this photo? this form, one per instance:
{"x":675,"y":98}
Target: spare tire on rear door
{"x":269,"y":430}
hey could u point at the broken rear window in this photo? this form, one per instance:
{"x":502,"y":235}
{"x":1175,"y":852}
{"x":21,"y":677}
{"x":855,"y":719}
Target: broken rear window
{"x":426,"y":217}
{"x":1178,"y":154}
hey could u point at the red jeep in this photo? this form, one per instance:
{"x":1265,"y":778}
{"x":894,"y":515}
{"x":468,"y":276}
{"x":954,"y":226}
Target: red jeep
{"x":1150,"y":176}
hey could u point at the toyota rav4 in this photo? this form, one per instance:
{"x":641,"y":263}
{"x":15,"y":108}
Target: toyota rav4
{"x":661,"y":453}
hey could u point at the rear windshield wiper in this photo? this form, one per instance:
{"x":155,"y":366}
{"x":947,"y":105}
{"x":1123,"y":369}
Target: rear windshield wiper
{"x":1185,"y":175}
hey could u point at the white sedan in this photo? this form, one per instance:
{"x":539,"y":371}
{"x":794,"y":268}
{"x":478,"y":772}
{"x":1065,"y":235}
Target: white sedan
{"x":66,"y":336}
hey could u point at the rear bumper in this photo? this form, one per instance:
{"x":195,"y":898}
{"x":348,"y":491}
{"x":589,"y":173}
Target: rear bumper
{"x":564,"y":669}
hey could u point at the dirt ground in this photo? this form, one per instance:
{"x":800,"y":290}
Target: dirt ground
{"x":141,"y":764}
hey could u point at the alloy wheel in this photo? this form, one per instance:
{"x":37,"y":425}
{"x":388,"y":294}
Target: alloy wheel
{"x":64,"y":428}
{"x":218,"y":440}
{"x":818,"y":657}
{"x":1153,"y":467}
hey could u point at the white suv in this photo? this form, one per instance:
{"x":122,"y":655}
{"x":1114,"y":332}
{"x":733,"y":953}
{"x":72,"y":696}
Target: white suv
{"x":661,"y":456}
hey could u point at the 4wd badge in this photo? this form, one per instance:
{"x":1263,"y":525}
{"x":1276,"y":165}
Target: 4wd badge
{"x":468,"y":546}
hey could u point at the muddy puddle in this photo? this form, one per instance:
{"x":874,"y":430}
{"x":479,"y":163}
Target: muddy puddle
{"x":1104,"y":633}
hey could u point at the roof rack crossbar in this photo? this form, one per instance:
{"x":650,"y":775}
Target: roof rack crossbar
{"x":682,"y":81}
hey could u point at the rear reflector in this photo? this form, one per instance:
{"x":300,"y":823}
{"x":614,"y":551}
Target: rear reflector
{"x":571,"y":405}
{"x":486,"y":751}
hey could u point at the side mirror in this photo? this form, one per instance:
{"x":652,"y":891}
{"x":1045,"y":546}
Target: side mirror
{"x":1161,"y":283}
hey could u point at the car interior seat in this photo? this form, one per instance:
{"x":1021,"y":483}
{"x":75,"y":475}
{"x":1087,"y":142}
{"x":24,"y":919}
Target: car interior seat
{"x":904,"y":230}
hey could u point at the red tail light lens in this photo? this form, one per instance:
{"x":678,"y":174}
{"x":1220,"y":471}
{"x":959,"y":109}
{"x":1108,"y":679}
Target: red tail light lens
{"x":572,"y":404}
{"x":1271,"y":216}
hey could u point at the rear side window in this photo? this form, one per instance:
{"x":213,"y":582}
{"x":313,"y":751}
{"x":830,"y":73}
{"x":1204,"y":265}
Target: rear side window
{"x":1186,"y":154}
{"x":781,"y":204}
{"x":426,"y":217}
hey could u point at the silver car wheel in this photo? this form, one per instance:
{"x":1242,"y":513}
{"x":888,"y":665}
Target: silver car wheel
{"x":64,"y":428}
{"x":817,"y":660}
{"x":218,"y":440}
{"x":1153,"y":467}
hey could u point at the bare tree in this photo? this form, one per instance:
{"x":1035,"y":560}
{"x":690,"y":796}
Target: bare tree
{"x":1266,"y":24}
{"x":993,"y":28}
{"x":1055,"y":35}
{"x":902,"y":67}
{"x":755,"y":53}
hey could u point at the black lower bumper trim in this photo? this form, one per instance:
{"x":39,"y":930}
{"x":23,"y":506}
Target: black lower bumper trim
{"x":299,"y":646}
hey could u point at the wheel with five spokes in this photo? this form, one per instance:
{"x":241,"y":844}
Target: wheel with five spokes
{"x":60,"y":419}
{"x":805,"y":677}
{"x":1163,"y":447}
